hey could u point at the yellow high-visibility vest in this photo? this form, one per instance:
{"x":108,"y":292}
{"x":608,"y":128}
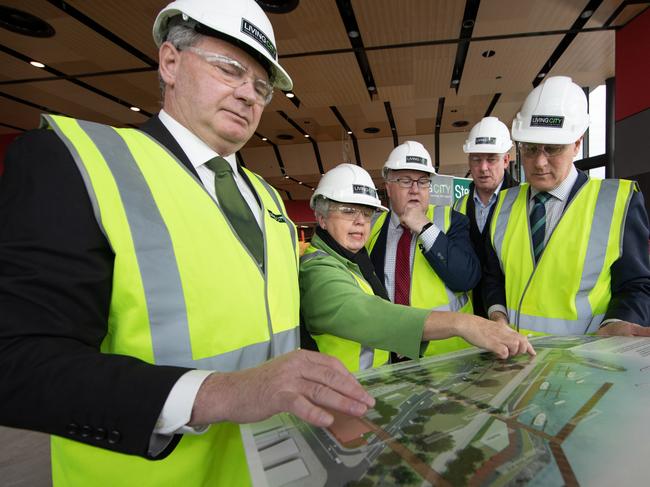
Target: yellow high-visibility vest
{"x":186,"y":292}
{"x":347,"y":351}
{"x":568,"y":291}
{"x":428,"y":291}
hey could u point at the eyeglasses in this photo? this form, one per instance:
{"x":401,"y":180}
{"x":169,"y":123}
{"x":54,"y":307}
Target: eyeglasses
{"x":549,"y":150}
{"x":476,"y":159}
{"x":234,"y":74}
{"x":352,"y":212}
{"x":406,"y":182}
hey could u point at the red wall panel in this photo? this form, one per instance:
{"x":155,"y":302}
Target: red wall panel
{"x":633,"y":67}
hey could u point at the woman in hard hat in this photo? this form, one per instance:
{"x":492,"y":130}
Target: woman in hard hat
{"x":344,"y":305}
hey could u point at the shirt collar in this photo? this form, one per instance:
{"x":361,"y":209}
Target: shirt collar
{"x":493,"y":197}
{"x":394,"y":223}
{"x":563,"y":190}
{"x":197,"y":151}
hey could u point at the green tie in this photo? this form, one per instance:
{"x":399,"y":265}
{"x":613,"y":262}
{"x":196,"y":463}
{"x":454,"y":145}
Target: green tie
{"x":236,"y":209}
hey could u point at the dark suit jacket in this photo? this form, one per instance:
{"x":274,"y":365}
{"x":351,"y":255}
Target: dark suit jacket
{"x":451,"y":256}
{"x":630,"y":273}
{"x":478,"y":238}
{"x":55,"y":288}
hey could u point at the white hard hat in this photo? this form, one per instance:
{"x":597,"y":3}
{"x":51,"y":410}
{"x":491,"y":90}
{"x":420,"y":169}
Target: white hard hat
{"x":242,"y":20}
{"x":347,"y":183}
{"x":489,"y":136}
{"x":409,"y":155}
{"x":555,"y":112}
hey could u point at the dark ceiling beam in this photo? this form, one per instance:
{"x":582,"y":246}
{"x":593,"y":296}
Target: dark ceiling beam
{"x":77,"y":76}
{"x":466,"y":30}
{"x":441,"y":109}
{"x":276,"y":151}
{"x":103,"y":31}
{"x":349,"y":132}
{"x":566,"y":41}
{"x":13,"y":127}
{"x":438,"y":42}
{"x":391,"y":121}
{"x":354,"y":34}
{"x":493,"y":103}
{"x":31,"y":104}
{"x":314,"y":144}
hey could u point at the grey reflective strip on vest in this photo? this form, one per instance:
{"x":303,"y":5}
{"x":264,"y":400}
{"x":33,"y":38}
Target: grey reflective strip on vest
{"x":312,"y":255}
{"x":162,"y":285}
{"x":456,"y":302}
{"x":366,"y":358}
{"x":502,"y":219}
{"x":270,"y":190}
{"x":593,"y":264}
{"x":597,"y":246}
{"x":556,"y":326}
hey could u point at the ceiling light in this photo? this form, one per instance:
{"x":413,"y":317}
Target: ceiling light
{"x":36,"y":64}
{"x":468,"y":24}
{"x":278,"y":6}
{"x":586,"y":14}
{"x":286,"y":177}
{"x":285,"y":136}
{"x":455,"y":81}
{"x":306,"y":136}
{"x":135,"y":109}
{"x":453,"y":110}
{"x":349,"y":132}
{"x":371,"y":130}
{"x":371,"y":88}
{"x":264,"y":139}
{"x":289,"y":94}
{"x":460,"y":123}
{"x":353,"y":34}
{"x":498,"y":77}
{"x":24,"y":23}
{"x":541,"y":75}
{"x":299,"y":182}
{"x":488,"y":53}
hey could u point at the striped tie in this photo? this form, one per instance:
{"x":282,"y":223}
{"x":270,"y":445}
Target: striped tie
{"x":538,"y":223}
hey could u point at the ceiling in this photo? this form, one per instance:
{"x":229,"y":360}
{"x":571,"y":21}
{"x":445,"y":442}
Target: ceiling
{"x":412,"y":69}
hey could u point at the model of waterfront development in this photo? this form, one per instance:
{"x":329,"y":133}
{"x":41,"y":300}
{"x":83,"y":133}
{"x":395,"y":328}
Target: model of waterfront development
{"x":573,"y":415}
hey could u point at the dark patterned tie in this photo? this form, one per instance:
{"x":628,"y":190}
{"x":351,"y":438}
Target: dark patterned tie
{"x":236,"y":209}
{"x":403,"y":268}
{"x":538,"y":223}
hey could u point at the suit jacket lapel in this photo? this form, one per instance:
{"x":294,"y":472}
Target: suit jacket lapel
{"x":155,"y":128}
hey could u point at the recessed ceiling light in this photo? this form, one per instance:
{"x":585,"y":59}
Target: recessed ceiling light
{"x":371,"y":88}
{"x":135,"y":109}
{"x":278,"y":6}
{"x":541,"y":75}
{"x":498,"y":77}
{"x":286,"y":177}
{"x":453,"y":110}
{"x":289,"y":94}
{"x":299,"y":182}
{"x":264,"y":139}
{"x":468,"y":24}
{"x":36,"y":64}
{"x":488,"y":53}
{"x":306,"y":136}
{"x":285,"y":136}
{"x":353,"y":34}
{"x":349,"y":132}
{"x":460,"y":123}
{"x":586,"y":14}
{"x":455,"y":81}
{"x":24,"y":23}
{"x":371,"y":130}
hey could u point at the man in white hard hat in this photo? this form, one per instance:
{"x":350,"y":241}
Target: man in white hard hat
{"x":567,"y":254}
{"x":344,"y":305}
{"x":157,"y":249}
{"x":422,"y":252}
{"x":488,"y":157}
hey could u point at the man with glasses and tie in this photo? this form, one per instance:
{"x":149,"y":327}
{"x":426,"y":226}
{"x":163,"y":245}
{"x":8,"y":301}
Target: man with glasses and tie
{"x":567,"y":254}
{"x":149,"y":284}
{"x":422,"y":252}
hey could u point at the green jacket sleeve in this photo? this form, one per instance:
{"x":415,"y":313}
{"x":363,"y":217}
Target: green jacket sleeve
{"x":332,"y":302}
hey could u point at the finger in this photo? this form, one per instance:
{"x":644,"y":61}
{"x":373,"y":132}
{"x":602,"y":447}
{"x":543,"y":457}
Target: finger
{"x":301,"y":407}
{"x":344,"y":383}
{"x":322,"y":395}
{"x":501,"y":351}
{"x":529,"y":348}
{"x":640,"y":331}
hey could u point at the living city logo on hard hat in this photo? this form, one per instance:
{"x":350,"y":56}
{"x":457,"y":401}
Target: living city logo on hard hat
{"x":361,"y":189}
{"x":546,"y":121}
{"x":416,"y":160}
{"x":253,"y":31}
{"x":485,"y":140}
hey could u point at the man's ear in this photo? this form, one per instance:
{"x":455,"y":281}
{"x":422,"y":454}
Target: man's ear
{"x":321,"y":221}
{"x":169,"y":61}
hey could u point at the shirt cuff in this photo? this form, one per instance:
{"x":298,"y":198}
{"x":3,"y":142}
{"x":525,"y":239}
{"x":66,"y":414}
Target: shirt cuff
{"x":608,"y":321}
{"x":497,"y":307}
{"x":429,"y":236}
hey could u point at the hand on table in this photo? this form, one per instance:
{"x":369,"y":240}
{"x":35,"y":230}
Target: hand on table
{"x":623,"y":328}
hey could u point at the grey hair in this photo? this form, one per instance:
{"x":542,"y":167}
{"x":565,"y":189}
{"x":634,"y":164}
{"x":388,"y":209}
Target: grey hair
{"x":181,"y":34}
{"x":321,"y":205}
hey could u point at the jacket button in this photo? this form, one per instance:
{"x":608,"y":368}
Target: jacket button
{"x":100,"y":434}
{"x":86,"y":431}
{"x":114,"y":437}
{"x":72,"y":429}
